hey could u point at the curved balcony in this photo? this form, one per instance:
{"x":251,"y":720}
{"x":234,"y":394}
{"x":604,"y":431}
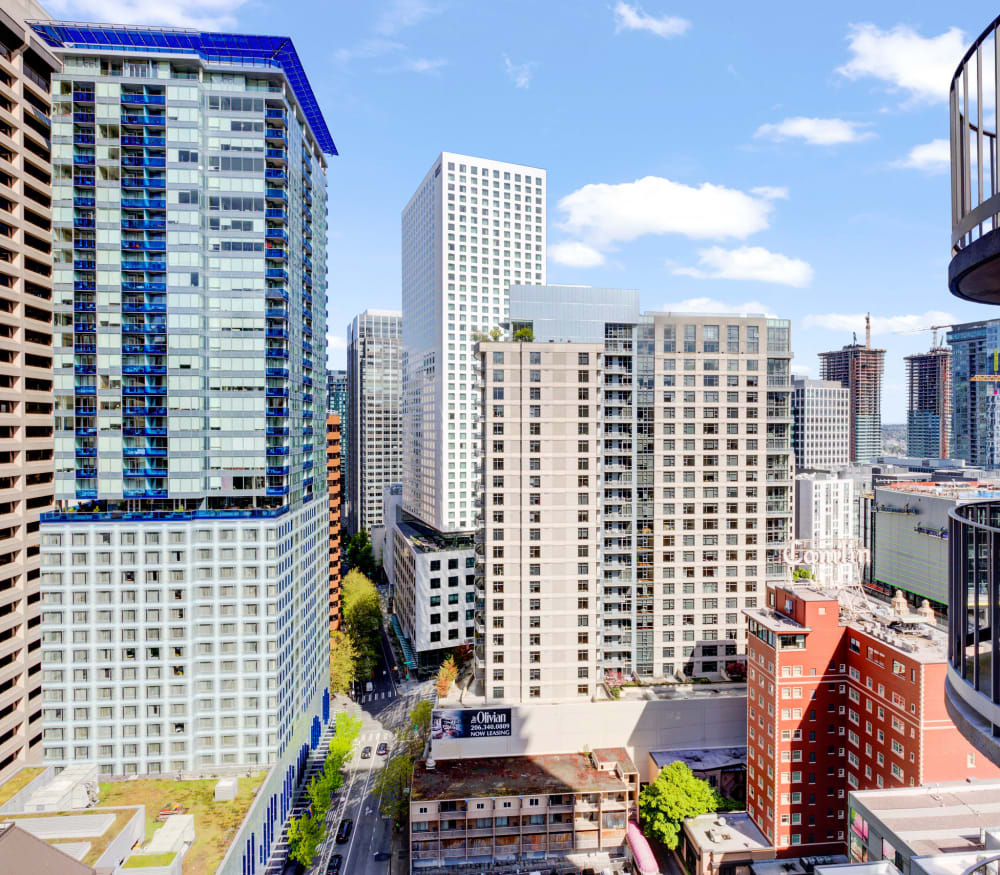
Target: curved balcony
{"x":972,"y":689}
{"x":974,"y":271}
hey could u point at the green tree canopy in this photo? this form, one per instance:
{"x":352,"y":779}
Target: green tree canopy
{"x":524,"y":335}
{"x":674,"y":795}
{"x":343,"y":662}
{"x":360,"y":554}
{"x":391,"y":784}
{"x":420,"y":717}
{"x":362,"y":613}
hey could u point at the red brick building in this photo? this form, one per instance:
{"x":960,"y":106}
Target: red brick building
{"x":837,"y":703}
{"x":334,"y":488}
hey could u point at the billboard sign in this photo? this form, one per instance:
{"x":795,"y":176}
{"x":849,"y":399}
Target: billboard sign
{"x":470,"y":723}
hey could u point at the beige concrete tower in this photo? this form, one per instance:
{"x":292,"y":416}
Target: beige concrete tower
{"x":26,"y":466}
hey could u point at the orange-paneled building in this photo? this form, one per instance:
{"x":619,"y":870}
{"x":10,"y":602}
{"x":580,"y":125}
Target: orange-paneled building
{"x":334,"y":487}
{"x":840,"y":701}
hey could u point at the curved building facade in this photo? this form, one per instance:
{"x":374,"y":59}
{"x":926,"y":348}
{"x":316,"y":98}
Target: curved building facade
{"x":973,"y":685}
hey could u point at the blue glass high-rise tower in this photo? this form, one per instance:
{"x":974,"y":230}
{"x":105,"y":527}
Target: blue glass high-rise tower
{"x":185,"y":568}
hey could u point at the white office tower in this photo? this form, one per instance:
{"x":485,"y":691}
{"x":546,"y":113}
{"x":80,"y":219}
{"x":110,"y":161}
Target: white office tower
{"x":821,"y":431}
{"x":472,"y":229}
{"x":637,"y":492}
{"x":374,"y":378}
{"x":185,"y":570}
{"x":827,"y":521}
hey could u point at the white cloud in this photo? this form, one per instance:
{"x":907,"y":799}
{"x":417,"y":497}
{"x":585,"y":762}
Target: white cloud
{"x":770,"y":192}
{"x":201,"y":14}
{"x":424,"y":65}
{"x":519,"y":74}
{"x":817,"y":131}
{"x":932,"y":157}
{"x":572,"y":253}
{"x":920,"y":66}
{"x":749,"y":263}
{"x":603,"y":214}
{"x":629,"y":17}
{"x":402,"y":14}
{"x":369,"y":48}
{"x":801,"y":370}
{"x":880,"y":324}
{"x":710,"y":305}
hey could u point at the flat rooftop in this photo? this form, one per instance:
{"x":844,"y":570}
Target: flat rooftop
{"x":803,"y":865}
{"x":518,"y":776}
{"x":426,"y":540}
{"x":704,"y":759}
{"x":935,"y":818}
{"x":955,"y":490}
{"x":775,"y":620}
{"x":730,"y":833}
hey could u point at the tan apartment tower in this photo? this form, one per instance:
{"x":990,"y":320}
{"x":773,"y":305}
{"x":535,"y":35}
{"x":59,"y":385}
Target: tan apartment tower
{"x":26,"y":447}
{"x":859,"y":369}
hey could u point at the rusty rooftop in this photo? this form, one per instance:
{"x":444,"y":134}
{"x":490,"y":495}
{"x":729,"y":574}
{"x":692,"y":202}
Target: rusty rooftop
{"x":519,"y":776}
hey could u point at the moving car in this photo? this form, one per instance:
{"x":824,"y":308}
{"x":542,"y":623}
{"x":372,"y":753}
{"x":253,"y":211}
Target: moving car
{"x":366,"y":753}
{"x":344,"y":832}
{"x":382,"y":749}
{"x":333,"y":867}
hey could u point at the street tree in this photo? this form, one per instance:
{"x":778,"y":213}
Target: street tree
{"x":362,"y":613}
{"x":343,"y":662}
{"x":305,"y":834}
{"x":447,"y":674}
{"x":674,"y":795}
{"x":392,"y":787}
{"x":360,"y":554}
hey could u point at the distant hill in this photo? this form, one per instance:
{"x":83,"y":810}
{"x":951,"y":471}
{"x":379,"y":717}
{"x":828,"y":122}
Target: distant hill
{"x":894,"y":439}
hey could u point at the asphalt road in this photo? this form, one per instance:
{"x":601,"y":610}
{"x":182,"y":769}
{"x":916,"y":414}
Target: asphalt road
{"x":382,"y":711}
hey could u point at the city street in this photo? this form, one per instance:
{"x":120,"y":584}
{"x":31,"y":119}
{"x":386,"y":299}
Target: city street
{"x":383,"y":711}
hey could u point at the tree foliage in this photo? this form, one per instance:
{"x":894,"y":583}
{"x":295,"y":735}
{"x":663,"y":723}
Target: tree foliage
{"x":447,"y":674}
{"x":524,"y":335}
{"x":307,"y":833}
{"x":802,"y":574}
{"x":392,"y":784}
{"x":362,"y":613}
{"x":674,"y":795}
{"x":343,"y":662}
{"x":360,"y":554}
{"x":420,"y":717}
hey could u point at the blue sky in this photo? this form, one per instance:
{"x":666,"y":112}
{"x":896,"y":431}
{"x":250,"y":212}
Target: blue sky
{"x":778,"y":157}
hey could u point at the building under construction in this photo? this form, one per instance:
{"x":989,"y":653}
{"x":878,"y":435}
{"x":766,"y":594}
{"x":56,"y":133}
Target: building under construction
{"x":859,"y":369}
{"x":928,"y":410}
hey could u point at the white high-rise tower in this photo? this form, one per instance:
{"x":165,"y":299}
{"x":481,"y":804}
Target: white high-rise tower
{"x":472,"y":228}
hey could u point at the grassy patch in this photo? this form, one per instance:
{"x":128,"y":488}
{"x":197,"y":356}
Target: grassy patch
{"x":215,"y":823}
{"x":140,"y":861}
{"x":16,"y":784}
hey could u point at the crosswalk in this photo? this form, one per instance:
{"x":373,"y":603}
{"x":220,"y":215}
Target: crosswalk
{"x":376,"y":697}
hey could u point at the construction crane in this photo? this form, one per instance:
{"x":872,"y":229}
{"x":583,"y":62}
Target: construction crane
{"x":934,"y":328}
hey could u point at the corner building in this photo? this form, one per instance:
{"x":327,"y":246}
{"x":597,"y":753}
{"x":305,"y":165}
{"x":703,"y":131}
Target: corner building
{"x":647,"y":462}
{"x":185,"y":569}
{"x":841,"y":700}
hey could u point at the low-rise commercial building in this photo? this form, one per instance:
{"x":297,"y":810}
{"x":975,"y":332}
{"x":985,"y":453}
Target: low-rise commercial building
{"x":898,"y":825}
{"x":489,"y":811}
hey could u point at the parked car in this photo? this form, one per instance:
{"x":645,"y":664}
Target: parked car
{"x":344,"y":832}
{"x":366,"y":753}
{"x":382,"y":749}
